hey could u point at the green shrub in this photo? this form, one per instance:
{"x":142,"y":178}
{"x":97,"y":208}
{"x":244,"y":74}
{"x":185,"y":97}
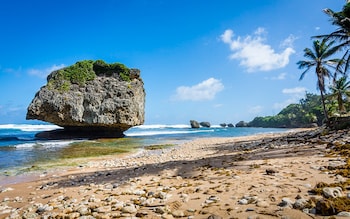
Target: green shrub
{"x":102,"y":68}
{"x":79,"y":73}
{"x":84,"y":71}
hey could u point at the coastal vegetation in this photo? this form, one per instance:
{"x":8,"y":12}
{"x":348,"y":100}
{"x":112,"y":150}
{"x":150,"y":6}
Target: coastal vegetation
{"x":332,"y":80}
{"x":303,"y":114}
{"x":86,"y":70}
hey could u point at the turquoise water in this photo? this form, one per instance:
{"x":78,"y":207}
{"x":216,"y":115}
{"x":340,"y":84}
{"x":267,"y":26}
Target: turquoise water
{"x":20,"y":149}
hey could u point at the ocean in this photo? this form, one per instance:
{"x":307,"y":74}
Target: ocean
{"x":21,"y":152}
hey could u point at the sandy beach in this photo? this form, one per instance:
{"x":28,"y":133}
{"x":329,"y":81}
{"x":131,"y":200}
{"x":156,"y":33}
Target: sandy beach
{"x":260,"y":176}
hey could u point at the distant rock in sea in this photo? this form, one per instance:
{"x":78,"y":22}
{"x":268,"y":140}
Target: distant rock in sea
{"x":90,"y":99}
{"x":194,"y":124}
{"x":223,"y":125}
{"x":205,"y":124}
{"x":242,"y":124}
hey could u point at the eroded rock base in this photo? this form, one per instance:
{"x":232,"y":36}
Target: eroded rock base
{"x":81,"y":133}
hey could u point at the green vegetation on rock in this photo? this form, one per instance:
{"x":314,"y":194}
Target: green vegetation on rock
{"x":78,"y":73}
{"x":102,"y":68}
{"x":84,"y":71}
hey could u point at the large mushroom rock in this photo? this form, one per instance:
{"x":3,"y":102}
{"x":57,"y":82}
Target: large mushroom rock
{"x":90,"y":99}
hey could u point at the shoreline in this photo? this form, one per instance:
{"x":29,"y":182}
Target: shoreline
{"x":26,"y":173}
{"x":27,"y":176}
{"x":199,"y":178}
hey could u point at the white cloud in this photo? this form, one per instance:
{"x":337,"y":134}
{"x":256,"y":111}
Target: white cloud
{"x":205,"y":90}
{"x":295,"y":94}
{"x":253,"y":52}
{"x":42,"y":73}
{"x":288,"y":42}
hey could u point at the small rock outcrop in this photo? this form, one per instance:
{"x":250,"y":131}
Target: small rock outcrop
{"x":242,"y":124}
{"x":194,"y":124}
{"x":205,"y":124}
{"x":90,"y":99}
{"x":223,"y":125}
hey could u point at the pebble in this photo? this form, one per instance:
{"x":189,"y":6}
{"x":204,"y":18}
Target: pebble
{"x":83,"y":210}
{"x":160,"y":210}
{"x":286,"y":203}
{"x":271,"y":172}
{"x":340,"y":178}
{"x":139,"y":192}
{"x":262,"y":204}
{"x":214,"y":198}
{"x":129,"y":209}
{"x":178,"y":213}
{"x":300,"y":203}
{"x":243,"y":201}
{"x":343,"y":214}
{"x":309,"y":186}
{"x":103,"y":209}
{"x":29,"y":215}
{"x":332,"y":192}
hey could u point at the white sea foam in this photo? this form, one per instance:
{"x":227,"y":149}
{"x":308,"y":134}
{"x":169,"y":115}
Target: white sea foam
{"x":30,"y":128}
{"x":160,"y":132}
{"x":161,"y":126}
{"x":44,"y":144}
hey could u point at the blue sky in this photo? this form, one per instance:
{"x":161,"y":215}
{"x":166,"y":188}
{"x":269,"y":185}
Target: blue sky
{"x":216,"y":61}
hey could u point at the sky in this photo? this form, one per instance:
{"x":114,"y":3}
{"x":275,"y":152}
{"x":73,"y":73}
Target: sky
{"x":218,"y":61}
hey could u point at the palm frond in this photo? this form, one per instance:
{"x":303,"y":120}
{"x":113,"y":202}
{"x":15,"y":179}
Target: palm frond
{"x":328,"y":49}
{"x":308,"y":53}
{"x":303,"y":74}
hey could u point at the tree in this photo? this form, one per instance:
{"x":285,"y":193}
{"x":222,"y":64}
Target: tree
{"x":340,"y":90}
{"x":342,"y":34}
{"x":318,"y":58}
{"x":305,"y":114}
{"x":312,"y":105}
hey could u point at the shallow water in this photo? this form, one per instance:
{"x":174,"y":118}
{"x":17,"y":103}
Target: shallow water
{"x":20,"y":152}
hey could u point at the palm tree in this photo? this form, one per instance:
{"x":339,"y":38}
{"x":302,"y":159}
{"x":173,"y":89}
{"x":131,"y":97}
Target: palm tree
{"x":340,"y":90}
{"x":340,"y":19}
{"x":341,"y":34}
{"x":318,"y":58}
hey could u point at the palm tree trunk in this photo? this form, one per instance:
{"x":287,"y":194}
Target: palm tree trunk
{"x":340,"y":103}
{"x":324,"y":108}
